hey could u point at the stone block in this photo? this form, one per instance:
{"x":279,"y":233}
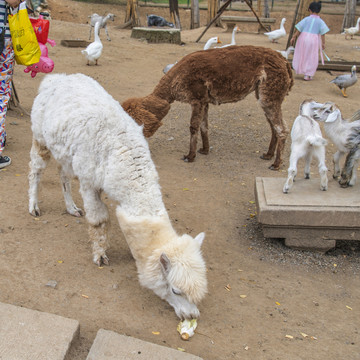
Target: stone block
{"x":109,"y":345}
{"x":155,"y":35}
{"x":34,"y":335}
{"x":306,"y":217}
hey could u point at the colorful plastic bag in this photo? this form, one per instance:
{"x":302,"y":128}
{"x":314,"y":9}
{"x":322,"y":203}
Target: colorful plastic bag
{"x":26,"y":48}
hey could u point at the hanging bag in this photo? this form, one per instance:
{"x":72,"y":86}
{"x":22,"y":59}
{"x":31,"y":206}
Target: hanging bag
{"x":26,"y":47}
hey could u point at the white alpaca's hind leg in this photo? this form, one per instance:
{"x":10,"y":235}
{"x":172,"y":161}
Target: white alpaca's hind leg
{"x":97,"y":215}
{"x":71,"y":207}
{"x":39,"y":157}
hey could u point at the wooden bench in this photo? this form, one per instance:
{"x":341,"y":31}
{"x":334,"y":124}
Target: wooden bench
{"x":231,"y":21}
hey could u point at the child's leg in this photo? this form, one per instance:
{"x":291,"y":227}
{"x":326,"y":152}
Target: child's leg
{"x":6,"y":72}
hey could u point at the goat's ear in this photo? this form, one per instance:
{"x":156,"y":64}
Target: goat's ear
{"x":165,"y":263}
{"x":200,"y":238}
{"x":316,"y":105}
{"x":333,"y":116}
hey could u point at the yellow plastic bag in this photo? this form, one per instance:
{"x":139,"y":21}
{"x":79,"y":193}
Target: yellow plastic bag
{"x":26,"y":47}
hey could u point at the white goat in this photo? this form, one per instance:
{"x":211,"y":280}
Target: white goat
{"x":345,"y":134}
{"x":94,"y":139}
{"x":307,"y":141}
{"x":94,"y":18}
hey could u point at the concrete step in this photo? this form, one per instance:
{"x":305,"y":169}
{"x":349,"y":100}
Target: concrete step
{"x":109,"y":345}
{"x":29,"y":334}
{"x":33,"y":335}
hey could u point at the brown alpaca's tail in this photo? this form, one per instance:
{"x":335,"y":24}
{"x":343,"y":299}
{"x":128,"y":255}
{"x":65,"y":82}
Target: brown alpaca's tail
{"x":147,"y":111}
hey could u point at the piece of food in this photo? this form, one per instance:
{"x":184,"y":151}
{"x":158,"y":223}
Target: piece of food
{"x":186,"y":328}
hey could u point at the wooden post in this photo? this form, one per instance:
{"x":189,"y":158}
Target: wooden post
{"x":301,"y":11}
{"x":349,"y":14}
{"x":212,"y":9}
{"x":195,"y":15}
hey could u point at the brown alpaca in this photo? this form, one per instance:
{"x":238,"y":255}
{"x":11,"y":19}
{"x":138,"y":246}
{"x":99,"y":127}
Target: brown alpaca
{"x":220,"y":76}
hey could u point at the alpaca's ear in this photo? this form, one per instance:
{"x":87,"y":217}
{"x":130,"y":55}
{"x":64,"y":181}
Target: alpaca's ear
{"x":165,"y":263}
{"x":200,"y":238}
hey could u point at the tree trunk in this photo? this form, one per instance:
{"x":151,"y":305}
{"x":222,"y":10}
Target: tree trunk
{"x":132,"y":13}
{"x":349,"y":15}
{"x":174,"y":13}
{"x":195,"y":14}
{"x":213,"y":7}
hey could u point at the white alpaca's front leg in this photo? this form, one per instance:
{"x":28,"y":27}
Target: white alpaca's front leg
{"x":97,"y":215}
{"x":39,"y":157}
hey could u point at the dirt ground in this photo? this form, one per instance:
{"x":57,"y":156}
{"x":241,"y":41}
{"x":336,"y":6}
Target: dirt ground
{"x":265,"y":301}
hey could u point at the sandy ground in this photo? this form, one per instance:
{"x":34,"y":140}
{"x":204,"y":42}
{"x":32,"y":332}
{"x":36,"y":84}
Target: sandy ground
{"x":279,"y":303}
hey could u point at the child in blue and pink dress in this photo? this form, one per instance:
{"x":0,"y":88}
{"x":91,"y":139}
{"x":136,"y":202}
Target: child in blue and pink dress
{"x":311,"y":32}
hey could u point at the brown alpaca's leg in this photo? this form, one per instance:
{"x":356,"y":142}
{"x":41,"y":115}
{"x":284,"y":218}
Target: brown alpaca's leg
{"x":197,"y":116}
{"x":279,"y":132}
{"x":204,"y":127}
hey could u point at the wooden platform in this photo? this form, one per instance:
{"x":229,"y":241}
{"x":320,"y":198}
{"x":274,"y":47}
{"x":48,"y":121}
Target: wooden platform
{"x":75,"y":43}
{"x":344,"y":66}
{"x":308,"y":218}
{"x":231,"y":21}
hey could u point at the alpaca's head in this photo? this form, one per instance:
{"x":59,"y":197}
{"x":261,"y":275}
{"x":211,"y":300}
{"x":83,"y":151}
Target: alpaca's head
{"x":147,"y":111}
{"x":184,"y":270}
{"x":177,"y":273}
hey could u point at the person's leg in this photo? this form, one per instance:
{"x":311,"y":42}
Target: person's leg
{"x":6,"y":73}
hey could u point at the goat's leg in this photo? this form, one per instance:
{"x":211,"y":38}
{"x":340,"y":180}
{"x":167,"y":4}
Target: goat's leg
{"x":204,"y":130}
{"x":348,"y":169}
{"x":279,"y":132}
{"x":107,"y":34}
{"x":336,"y":161}
{"x":353,"y":177}
{"x":320,"y":155}
{"x":308,"y":158}
{"x":39,"y":157}
{"x":90,"y":32}
{"x":292,"y":170}
{"x":197,"y":117}
{"x":97,"y":216}
{"x":71,"y":208}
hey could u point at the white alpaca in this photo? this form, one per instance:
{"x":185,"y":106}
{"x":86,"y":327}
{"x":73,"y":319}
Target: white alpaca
{"x":307,"y":141}
{"x":92,"y":138}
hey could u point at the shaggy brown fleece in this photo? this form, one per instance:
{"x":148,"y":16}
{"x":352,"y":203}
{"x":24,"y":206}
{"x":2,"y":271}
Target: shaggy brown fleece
{"x":219,"y":76}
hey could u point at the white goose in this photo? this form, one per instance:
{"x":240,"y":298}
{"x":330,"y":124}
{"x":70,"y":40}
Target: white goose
{"x":233,"y":42}
{"x":213,"y":40}
{"x":287,"y":52}
{"x":352,"y":31}
{"x":94,"y":50}
{"x":277,"y":34}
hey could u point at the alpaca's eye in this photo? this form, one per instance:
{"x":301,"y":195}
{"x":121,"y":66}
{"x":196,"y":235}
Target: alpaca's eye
{"x":176,"y":291}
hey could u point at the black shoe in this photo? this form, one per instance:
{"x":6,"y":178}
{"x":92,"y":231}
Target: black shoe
{"x":4,"y":161}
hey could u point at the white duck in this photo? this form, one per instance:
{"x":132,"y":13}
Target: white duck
{"x":213,"y":40}
{"x":353,"y":30}
{"x":233,"y":42}
{"x":345,"y":81}
{"x":277,"y":34}
{"x":94,"y":50}
{"x":286,"y":53}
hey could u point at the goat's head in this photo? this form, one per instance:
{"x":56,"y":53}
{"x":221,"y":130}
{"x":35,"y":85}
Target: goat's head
{"x":328,"y":112}
{"x":307,"y":107}
{"x":110,"y":16}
